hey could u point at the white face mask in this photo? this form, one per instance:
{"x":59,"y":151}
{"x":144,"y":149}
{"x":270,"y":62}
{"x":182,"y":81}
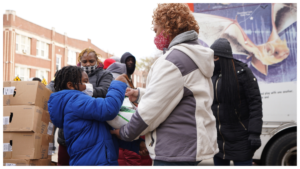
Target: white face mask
{"x":89,"y":89}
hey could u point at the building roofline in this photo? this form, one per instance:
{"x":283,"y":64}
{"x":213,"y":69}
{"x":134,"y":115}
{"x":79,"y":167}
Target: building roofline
{"x":50,"y":30}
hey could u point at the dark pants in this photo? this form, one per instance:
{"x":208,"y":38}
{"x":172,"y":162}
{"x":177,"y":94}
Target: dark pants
{"x":164,"y":163}
{"x":221,"y":162}
{"x":63,"y":156}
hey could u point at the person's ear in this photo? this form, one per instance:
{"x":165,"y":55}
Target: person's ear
{"x":70,"y":86}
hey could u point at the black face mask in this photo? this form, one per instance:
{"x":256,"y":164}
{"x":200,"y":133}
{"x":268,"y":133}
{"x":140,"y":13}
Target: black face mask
{"x":217,"y":66}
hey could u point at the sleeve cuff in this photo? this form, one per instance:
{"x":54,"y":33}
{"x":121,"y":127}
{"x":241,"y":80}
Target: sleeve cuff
{"x":254,"y":136}
{"x":123,"y":135}
{"x":138,"y":98}
{"x":116,"y":84}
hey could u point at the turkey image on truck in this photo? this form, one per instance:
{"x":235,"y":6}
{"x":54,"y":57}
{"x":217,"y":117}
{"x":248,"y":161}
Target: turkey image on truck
{"x":264,"y":36}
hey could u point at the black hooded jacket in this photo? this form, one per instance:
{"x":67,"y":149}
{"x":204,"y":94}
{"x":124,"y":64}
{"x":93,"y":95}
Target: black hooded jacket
{"x":234,"y":127}
{"x":123,"y":60}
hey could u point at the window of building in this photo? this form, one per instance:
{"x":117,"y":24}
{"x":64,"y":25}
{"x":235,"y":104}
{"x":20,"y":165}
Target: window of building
{"x":71,"y":57}
{"x":42,"y":49}
{"x":42,"y":74}
{"x":58,"y":62}
{"x":37,"y":48}
{"x":17,"y":42}
{"x":138,"y":79}
{"x":22,"y":73}
{"x":23,"y":44}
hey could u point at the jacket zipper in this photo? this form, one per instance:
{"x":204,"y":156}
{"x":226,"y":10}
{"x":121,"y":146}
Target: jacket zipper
{"x":219,"y":115}
{"x":152,"y":142}
{"x":240,"y":120}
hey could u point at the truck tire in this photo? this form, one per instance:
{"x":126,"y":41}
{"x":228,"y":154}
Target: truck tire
{"x":283,"y":151}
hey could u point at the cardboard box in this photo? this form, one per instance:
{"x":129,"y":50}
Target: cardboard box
{"x":44,"y":147}
{"x":26,"y":162}
{"x":27,"y":93}
{"x":53,"y":163}
{"x":26,"y":119}
{"x":7,"y":146}
{"x":25,"y":146}
{"x":6,"y":97}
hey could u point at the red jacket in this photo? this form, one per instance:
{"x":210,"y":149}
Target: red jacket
{"x":129,"y":158}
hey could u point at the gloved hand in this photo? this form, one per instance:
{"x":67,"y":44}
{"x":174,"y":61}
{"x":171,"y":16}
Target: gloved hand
{"x":254,"y":141}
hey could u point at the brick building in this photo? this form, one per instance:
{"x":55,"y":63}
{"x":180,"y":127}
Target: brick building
{"x":139,"y":78}
{"x":30,"y":50}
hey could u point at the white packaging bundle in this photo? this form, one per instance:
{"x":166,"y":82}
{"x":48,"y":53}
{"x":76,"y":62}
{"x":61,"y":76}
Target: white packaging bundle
{"x":124,"y":116}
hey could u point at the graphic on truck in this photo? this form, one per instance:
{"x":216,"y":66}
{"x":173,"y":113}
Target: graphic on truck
{"x":265,"y":37}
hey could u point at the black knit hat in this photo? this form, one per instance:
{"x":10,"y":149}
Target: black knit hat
{"x":222,"y":48}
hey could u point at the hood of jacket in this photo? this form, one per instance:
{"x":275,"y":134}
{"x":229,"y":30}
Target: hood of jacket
{"x":123,"y":60}
{"x":116,"y":58}
{"x":57,"y":104}
{"x":117,"y":68}
{"x":183,"y":37}
{"x":202,"y":56}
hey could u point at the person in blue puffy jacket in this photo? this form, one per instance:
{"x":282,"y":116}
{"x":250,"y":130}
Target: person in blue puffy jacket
{"x":83,"y":118}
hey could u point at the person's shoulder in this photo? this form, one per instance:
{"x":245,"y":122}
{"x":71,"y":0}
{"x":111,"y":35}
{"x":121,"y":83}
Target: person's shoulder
{"x":105,"y":71}
{"x":65,"y":95}
{"x":50,"y":86}
{"x":244,"y":71}
{"x":240,"y":64}
{"x":73,"y":92}
{"x":99,"y":73}
{"x":79,"y":96}
{"x":102,"y":71}
{"x":241,"y":67}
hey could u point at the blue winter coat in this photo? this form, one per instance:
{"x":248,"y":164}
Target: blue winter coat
{"x":83,"y":119}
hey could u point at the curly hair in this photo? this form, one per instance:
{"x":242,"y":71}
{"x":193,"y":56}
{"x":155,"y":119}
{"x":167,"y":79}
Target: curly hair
{"x":175,"y":18}
{"x":89,"y":50}
{"x":67,"y":74}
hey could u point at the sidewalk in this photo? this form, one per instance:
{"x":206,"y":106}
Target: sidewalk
{"x":210,"y":162}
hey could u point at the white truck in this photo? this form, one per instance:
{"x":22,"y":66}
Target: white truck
{"x":279,"y":133}
{"x":257,"y":33}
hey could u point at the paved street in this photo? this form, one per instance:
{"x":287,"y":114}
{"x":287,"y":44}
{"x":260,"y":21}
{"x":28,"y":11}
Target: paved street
{"x":210,"y":162}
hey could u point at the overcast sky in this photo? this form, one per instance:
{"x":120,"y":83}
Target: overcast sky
{"x":113,"y":26}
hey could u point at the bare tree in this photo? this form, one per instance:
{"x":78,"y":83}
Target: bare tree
{"x":146,"y":63}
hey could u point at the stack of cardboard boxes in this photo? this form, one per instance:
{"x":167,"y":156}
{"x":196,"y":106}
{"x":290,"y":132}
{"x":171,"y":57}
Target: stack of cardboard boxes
{"x":28,"y":130}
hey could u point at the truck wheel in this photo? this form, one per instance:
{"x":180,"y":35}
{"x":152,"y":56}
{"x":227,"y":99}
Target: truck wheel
{"x":283,"y":151}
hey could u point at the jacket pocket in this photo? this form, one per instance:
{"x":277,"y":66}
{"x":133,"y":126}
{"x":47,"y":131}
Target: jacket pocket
{"x":110,"y":153}
{"x":240,"y":121}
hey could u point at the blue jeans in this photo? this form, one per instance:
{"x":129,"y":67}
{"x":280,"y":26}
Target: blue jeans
{"x":165,"y":163}
{"x":220,"y":162}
